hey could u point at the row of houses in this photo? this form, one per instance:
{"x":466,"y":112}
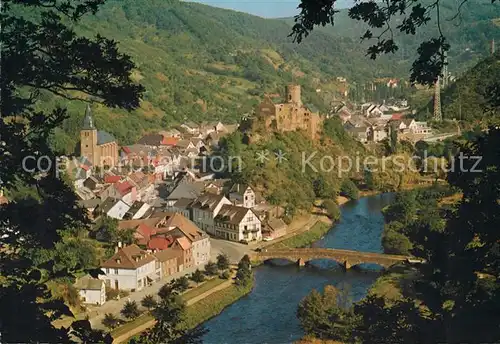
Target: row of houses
{"x":373,"y":122}
{"x":166,"y":243}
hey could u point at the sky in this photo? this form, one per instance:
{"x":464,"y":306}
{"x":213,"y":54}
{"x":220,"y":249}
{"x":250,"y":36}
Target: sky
{"x":264,"y":8}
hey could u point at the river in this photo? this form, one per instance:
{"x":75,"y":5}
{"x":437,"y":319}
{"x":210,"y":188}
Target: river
{"x":267,"y":314}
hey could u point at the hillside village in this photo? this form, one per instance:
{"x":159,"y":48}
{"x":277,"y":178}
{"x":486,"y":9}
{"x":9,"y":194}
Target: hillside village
{"x":158,"y":189}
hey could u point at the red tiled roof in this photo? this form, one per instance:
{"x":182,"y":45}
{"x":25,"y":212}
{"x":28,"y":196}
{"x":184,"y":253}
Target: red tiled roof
{"x":169,"y":141}
{"x":397,"y":116}
{"x":126,"y":149}
{"x":160,"y":243}
{"x":109,"y":179}
{"x":124,"y":188}
{"x":128,"y":257}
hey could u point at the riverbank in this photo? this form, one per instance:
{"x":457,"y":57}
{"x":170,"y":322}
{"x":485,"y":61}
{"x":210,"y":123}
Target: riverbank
{"x":304,"y":239}
{"x":200,"y":308}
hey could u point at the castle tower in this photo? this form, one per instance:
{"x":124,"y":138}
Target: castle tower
{"x":88,"y":138}
{"x":293,"y":94}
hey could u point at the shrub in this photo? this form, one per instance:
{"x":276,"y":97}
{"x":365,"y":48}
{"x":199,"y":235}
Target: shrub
{"x":112,"y":294}
{"x":222,"y":262}
{"x":148,"y":302}
{"x":198,"y":276}
{"x":395,"y":242}
{"x":332,"y":209}
{"x":211,"y":268}
{"x":225,"y":274}
{"x":130,"y":310}
{"x":349,"y":189}
{"x":110,"y":321}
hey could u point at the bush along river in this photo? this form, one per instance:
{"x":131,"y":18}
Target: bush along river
{"x":267,"y":314}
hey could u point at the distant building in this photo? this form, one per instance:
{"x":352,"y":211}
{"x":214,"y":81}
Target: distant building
{"x":98,"y":146}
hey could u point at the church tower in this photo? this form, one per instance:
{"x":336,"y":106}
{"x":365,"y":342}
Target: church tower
{"x":88,"y":139}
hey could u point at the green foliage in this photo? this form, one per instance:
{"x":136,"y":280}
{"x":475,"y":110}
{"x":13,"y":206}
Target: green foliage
{"x":52,"y":59}
{"x":222,"y":261}
{"x":327,"y":315}
{"x":169,"y":314}
{"x":197,"y":276}
{"x":225,"y":274}
{"x":130,"y":310}
{"x":148,"y":302}
{"x":182,"y":284}
{"x":349,"y":189}
{"x":332,"y":209}
{"x":389,"y":25}
{"x":211,"y":268}
{"x":110,"y":321}
{"x":395,"y":242}
{"x":307,"y":171}
{"x":468,"y":98}
{"x":244,"y":272}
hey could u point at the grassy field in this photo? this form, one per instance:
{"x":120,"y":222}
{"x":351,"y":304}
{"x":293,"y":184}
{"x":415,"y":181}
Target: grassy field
{"x":304,"y":239}
{"x":214,"y":304}
{"x":206,"y":286}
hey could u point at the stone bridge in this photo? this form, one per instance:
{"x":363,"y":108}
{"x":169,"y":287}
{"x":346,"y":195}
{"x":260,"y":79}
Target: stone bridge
{"x":346,"y":258}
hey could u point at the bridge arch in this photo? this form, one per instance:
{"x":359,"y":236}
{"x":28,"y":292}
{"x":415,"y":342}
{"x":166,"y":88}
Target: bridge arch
{"x":345,"y":258}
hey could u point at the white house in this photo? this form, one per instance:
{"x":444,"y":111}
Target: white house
{"x":91,"y":290}
{"x":114,"y":208}
{"x":242,"y":195}
{"x":205,"y":208}
{"x":237,"y":223}
{"x":130,"y":268}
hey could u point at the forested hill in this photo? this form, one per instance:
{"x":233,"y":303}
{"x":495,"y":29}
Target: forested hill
{"x":469,"y":27}
{"x":466,"y":99}
{"x":203,"y":63}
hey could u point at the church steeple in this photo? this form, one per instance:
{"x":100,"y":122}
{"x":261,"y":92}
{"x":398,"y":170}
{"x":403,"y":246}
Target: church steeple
{"x":88,"y":123}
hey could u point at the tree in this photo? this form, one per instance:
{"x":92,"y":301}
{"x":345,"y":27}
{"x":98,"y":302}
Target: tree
{"x":211,"y":268}
{"x":197,"y":276}
{"x":169,"y":314}
{"x":244,"y":272}
{"x":332,"y":209}
{"x":349,"y":189}
{"x":222,"y":261}
{"x":148,"y":302}
{"x":41,"y":53}
{"x":327,"y":315}
{"x":395,"y":242}
{"x":110,"y":321}
{"x":130,"y":310}
{"x":406,"y":17}
{"x":182,"y":283}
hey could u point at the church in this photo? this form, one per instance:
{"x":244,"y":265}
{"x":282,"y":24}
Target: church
{"x":99,"y":147}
